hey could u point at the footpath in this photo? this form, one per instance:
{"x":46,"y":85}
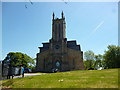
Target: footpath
{"x":25,"y":75}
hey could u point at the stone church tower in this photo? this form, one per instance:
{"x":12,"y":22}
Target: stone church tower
{"x":59,"y":54}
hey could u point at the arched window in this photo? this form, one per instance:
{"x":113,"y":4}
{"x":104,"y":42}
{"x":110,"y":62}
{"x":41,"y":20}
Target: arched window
{"x":55,"y":31}
{"x":59,"y":32}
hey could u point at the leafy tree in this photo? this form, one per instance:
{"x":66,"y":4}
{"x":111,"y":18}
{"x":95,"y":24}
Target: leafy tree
{"x":89,"y":59}
{"x":112,"y":57}
{"x":89,"y":55}
{"x":89,"y":64}
{"x":18,"y":59}
{"x":98,"y":60}
{"x":32,"y":64}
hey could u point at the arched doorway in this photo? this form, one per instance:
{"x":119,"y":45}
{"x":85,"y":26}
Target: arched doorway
{"x":57,"y":65}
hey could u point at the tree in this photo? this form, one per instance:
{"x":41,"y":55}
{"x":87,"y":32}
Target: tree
{"x":112,"y":57}
{"x":18,"y":59}
{"x":98,"y":60}
{"x":89,"y":55}
{"x":32,"y":64}
{"x":89,"y":64}
{"x":89,"y":59}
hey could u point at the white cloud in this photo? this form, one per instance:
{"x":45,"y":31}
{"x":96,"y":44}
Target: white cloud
{"x":94,"y":30}
{"x":98,"y":26}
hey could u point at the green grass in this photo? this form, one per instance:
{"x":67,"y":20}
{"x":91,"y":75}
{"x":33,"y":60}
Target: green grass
{"x":107,"y":78}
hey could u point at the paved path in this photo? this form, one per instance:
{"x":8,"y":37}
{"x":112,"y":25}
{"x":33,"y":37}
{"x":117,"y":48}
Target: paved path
{"x":26,"y":75}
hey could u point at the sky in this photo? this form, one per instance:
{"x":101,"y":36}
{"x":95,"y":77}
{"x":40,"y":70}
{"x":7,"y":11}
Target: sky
{"x":25,"y":26}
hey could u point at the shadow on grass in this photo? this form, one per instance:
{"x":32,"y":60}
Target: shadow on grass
{"x":7,"y":84}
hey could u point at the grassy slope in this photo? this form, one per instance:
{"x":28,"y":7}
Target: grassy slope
{"x":107,"y":78}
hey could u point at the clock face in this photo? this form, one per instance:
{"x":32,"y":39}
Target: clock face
{"x":57,"y":46}
{"x":58,"y":64}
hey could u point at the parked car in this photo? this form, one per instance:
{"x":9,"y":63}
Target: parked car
{"x":27,"y":70}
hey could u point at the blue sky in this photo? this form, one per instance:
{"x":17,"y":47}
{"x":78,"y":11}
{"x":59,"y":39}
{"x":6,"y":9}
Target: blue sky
{"x":93,"y":24}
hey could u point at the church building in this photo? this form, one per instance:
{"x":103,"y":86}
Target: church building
{"x":59,"y":54}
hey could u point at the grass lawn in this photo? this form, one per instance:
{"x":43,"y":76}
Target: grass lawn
{"x":107,"y":78}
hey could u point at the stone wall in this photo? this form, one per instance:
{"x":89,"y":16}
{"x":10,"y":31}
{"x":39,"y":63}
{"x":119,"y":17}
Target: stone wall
{"x":75,"y":59}
{"x":72,"y":60}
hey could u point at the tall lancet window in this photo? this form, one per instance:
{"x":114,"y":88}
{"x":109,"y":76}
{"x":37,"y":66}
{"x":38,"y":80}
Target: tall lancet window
{"x":59,"y":32}
{"x":55,"y":31}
